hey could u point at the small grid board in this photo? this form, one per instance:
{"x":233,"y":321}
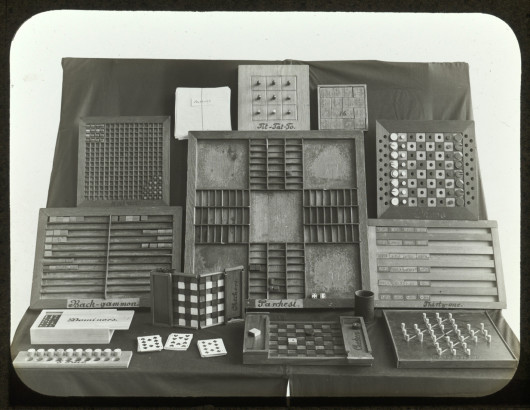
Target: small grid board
{"x":435,"y":264}
{"x":272,"y":202}
{"x":427,"y":170}
{"x":197,"y":302}
{"x":288,"y":340}
{"x":273,"y":97}
{"x":102,"y":253}
{"x":447,"y":339}
{"x":123,"y":161}
{"x":342,"y":107}
{"x":72,"y":359}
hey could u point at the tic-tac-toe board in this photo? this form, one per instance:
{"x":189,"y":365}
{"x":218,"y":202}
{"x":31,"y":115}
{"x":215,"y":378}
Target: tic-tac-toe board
{"x":287,"y":340}
{"x":290,"y":206}
{"x":427,"y":170}
{"x":435,"y":264}
{"x":342,"y":107}
{"x":447,"y":339}
{"x":123,"y":161}
{"x":102,"y":254}
{"x":197,"y":302}
{"x":273,"y":97}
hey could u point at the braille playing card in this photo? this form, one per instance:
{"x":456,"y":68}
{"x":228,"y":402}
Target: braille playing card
{"x":149,"y":343}
{"x":178,"y":341}
{"x":211,"y":347}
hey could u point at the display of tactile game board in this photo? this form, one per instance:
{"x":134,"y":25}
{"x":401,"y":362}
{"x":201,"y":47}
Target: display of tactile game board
{"x":72,"y":359}
{"x":273,"y":97}
{"x":427,"y":170}
{"x":197,"y":302}
{"x":447,"y":339}
{"x":342,"y":107}
{"x":102,"y":254}
{"x":290,"y":206}
{"x":281,"y":339}
{"x":435,"y":264}
{"x":123,"y":161}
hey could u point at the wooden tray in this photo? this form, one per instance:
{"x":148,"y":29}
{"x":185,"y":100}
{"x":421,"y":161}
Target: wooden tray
{"x":102,"y":253}
{"x":291,"y":207}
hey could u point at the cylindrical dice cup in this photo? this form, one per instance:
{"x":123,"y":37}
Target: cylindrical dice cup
{"x":364,"y":305}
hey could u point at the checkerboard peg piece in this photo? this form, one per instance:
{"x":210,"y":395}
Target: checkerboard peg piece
{"x":322,"y":295}
{"x":291,"y":341}
{"x":254,"y":332}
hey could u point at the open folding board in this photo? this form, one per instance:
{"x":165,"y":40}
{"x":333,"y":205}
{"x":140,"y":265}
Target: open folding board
{"x":291,"y":207}
{"x":102,"y":253}
{"x":435,"y":264}
{"x":123,"y":161}
{"x":283,"y":339}
{"x":427,"y":170}
{"x":273,"y":97}
{"x":342,"y":107}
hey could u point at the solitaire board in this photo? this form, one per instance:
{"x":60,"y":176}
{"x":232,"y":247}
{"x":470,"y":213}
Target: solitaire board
{"x":447,"y":339}
{"x":273,"y":97}
{"x":273,"y":202}
{"x":197,"y":302}
{"x":427,"y":170}
{"x":102,"y":254}
{"x":287,"y":340}
{"x":342,"y":107}
{"x":435,"y":264}
{"x":123,"y":161}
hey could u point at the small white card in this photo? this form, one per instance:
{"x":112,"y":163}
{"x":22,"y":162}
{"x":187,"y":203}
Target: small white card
{"x":201,"y":109}
{"x":149,"y":343}
{"x":211,"y":347}
{"x":178,"y":341}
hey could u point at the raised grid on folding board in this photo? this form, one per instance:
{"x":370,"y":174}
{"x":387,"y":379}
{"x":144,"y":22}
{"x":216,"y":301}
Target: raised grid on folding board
{"x":277,"y":271}
{"x":198,"y":302}
{"x":427,"y":170}
{"x":222,"y":216}
{"x":276,"y":163}
{"x":342,"y":107}
{"x":331,"y":216}
{"x":103,"y":253}
{"x":123,"y":160}
{"x":435,"y":264}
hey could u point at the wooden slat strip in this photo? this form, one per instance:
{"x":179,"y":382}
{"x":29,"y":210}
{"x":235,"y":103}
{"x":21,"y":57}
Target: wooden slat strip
{"x":435,"y":290}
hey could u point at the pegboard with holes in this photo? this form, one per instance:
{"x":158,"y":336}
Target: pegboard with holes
{"x":273,"y":97}
{"x":123,"y":161}
{"x":427,"y":170}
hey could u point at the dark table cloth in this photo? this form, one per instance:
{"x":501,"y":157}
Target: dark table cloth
{"x":114,"y":87}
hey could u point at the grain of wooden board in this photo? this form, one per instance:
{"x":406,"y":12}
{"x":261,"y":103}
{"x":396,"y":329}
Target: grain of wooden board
{"x":457,"y":266}
{"x":289,"y":206}
{"x":273,"y":97}
{"x":102,"y":253}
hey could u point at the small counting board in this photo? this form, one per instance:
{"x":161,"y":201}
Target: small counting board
{"x":273,"y":97}
{"x":342,"y":107}
{"x":427,"y":170}
{"x":288,"y":340}
{"x":70,"y":358}
{"x":211,"y":347}
{"x":178,"y":341}
{"x":123,"y":161}
{"x":150,"y":343}
{"x":435,"y":264}
{"x":459,"y":339}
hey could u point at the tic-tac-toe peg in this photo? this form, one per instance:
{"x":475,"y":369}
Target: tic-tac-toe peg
{"x":403,"y":183}
{"x":78,"y":353}
{"x":59,"y":353}
{"x":273,"y":82}
{"x":88,"y":353}
{"x":288,"y":82}
{"x":403,"y":146}
{"x":31,"y":354}
{"x":273,"y":97}
{"x":273,"y":112}
{"x":97,"y":353}
{"x":288,"y":98}
{"x":258,"y":82}
{"x":289,"y":112}
{"x":258,"y":97}
{"x":40,"y":353}
{"x":258,"y":112}
{"x":488,"y":338}
{"x":254,"y":332}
